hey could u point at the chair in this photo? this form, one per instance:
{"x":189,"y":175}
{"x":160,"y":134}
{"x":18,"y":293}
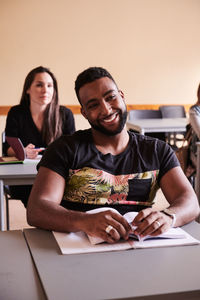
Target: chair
{"x":136,"y":114}
{"x":173,"y":111}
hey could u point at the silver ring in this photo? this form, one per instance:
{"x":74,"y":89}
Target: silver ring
{"x":109,"y":228}
{"x":157,"y":222}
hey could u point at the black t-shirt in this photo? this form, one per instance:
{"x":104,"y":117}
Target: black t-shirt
{"x":19,"y":123}
{"x":127,"y":181}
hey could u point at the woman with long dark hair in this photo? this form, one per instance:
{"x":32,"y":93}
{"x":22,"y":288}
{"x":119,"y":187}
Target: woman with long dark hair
{"x":38,"y":120}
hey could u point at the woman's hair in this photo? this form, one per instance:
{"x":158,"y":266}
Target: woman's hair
{"x":198,"y":94}
{"x":52,"y":121}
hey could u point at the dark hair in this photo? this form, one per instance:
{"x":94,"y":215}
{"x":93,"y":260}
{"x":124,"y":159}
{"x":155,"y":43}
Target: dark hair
{"x":89,"y":75}
{"x":198,"y":94}
{"x":52,"y":121}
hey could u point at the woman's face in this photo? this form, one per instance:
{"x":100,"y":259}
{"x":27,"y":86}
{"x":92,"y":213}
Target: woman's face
{"x":42,"y":89}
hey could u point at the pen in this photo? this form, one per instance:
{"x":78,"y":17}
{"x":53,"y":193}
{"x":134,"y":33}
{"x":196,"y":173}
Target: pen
{"x":40,"y":148}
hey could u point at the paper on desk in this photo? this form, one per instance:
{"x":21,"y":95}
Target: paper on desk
{"x":35,"y":160}
{"x":78,"y":242}
{"x":166,"y":242}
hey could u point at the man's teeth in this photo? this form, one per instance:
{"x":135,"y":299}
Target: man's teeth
{"x":110,"y":119}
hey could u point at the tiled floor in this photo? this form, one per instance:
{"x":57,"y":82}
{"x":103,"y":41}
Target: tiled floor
{"x":18,"y":212}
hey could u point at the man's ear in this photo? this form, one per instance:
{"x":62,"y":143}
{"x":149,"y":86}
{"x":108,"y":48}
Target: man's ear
{"x":122,"y":95}
{"x":83,"y":112}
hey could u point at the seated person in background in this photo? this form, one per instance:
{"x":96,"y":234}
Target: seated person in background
{"x":106,"y":166}
{"x":38,"y":120}
{"x":194,"y":115}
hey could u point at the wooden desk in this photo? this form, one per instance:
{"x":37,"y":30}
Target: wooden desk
{"x":158,"y":125}
{"x":159,"y":273}
{"x":18,"y":277}
{"x":16,"y":174}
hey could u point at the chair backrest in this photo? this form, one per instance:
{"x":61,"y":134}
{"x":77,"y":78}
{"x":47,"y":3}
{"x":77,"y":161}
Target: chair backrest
{"x":172,"y":111}
{"x":136,"y":114}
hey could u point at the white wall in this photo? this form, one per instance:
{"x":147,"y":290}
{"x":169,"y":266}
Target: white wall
{"x":150,"y":46}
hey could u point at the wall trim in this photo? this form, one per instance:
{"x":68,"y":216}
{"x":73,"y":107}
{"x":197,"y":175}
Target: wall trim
{"x":76,"y":108}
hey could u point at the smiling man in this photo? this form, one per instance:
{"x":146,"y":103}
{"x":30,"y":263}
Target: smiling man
{"x":106,"y":166}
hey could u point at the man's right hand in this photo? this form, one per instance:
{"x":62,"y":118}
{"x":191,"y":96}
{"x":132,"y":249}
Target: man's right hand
{"x":96,"y":224}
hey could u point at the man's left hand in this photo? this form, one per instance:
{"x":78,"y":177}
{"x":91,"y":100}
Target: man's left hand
{"x":151,"y":222}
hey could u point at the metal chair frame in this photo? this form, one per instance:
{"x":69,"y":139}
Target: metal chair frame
{"x":173,"y":111}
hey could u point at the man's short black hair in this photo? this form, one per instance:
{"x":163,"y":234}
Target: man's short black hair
{"x":89,"y":75}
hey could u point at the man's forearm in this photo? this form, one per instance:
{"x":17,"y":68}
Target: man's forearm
{"x":185,"y":211}
{"x":52,"y":216}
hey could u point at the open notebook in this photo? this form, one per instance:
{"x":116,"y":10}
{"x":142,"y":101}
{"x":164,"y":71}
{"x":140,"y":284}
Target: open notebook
{"x":79,"y":242}
{"x":20,"y":155}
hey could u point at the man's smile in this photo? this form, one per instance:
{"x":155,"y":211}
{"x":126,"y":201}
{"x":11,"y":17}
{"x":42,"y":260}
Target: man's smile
{"x":111,"y":118}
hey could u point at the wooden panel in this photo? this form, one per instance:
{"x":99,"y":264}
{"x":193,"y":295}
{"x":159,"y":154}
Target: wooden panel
{"x":76,"y":108}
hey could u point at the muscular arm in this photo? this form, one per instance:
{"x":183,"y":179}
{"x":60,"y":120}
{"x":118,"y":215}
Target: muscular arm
{"x":180,"y":195}
{"x":183,"y":202}
{"x":44,"y":211}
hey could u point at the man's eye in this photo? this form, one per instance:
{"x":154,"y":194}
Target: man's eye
{"x":111,"y":97}
{"x":92,"y":106}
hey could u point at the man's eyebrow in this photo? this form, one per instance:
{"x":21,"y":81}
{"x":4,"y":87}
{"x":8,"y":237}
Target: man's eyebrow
{"x":95,"y":99}
{"x":91,"y":100}
{"x":108,"y":92}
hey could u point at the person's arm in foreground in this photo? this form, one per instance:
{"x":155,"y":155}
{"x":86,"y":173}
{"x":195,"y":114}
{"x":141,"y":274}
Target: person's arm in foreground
{"x":44,"y":211}
{"x":182,"y":201}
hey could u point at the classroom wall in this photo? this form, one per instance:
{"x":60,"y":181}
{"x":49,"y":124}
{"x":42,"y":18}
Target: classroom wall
{"x":150,"y":46}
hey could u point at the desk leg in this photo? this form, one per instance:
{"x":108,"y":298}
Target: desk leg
{"x":197,"y":179}
{"x":2,"y":221}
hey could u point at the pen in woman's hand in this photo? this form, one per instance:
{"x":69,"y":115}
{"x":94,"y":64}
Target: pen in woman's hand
{"x":40,"y":148}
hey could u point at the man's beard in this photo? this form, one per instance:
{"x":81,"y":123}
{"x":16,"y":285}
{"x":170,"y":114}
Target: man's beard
{"x":122,"y":122}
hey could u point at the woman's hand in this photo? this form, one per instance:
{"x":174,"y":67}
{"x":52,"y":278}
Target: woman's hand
{"x":31,"y":151}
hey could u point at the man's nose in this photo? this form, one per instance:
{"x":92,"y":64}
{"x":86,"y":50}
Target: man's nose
{"x":105,"y":107}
